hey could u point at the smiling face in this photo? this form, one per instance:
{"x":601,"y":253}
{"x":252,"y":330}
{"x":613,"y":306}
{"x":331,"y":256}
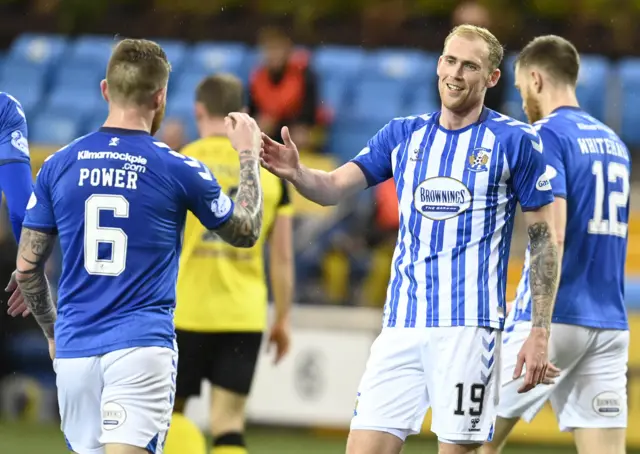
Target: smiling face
{"x":465,"y":72}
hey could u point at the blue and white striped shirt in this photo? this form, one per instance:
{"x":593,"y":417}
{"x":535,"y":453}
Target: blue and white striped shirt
{"x":457,"y":193}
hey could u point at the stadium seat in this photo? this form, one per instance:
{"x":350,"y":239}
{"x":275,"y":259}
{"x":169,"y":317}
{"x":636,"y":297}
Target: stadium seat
{"x":95,"y":121}
{"x":592,"y":92}
{"x":508,"y":77}
{"x":176,"y":52}
{"x":338,"y":62}
{"x":423,"y":99}
{"x":210,"y":57}
{"x":182,"y":109}
{"x":39,"y":49}
{"x":26,"y":82}
{"x":348,"y":138}
{"x":78,"y":75}
{"x":332,"y":93}
{"x":377,"y":100}
{"x":186,"y":84}
{"x":74,"y":102}
{"x":52,"y":128}
{"x":252,"y":59}
{"x":629,"y":73}
{"x":399,"y":65}
{"x":91,"y":50}
{"x":26,"y":73}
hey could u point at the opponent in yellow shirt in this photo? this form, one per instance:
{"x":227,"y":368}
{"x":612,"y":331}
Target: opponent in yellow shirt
{"x":221,"y":310}
{"x":222,"y":288}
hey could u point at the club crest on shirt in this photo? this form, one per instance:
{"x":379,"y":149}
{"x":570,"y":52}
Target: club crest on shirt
{"x":479,"y":160}
{"x":19,"y":141}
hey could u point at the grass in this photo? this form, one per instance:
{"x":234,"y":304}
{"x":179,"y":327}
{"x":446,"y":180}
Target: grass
{"x":35,"y":439}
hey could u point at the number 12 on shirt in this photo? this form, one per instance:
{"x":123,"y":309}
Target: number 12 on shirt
{"x":614,"y":199}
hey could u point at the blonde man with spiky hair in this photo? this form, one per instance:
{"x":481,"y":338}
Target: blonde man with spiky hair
{"x":459,"y":174}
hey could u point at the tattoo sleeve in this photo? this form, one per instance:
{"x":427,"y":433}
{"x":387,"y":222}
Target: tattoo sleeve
{"x":244,"y":226}
{"x":543,"y":274}
{"x":33,"y":252}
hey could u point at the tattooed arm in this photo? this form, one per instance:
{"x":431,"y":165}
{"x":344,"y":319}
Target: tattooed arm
{"x":33,"y":252}
{"x":544,"y":271}
{"x":244,"y":226}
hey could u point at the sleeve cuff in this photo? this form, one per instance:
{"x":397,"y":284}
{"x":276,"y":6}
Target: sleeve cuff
{"x":371,"y":181}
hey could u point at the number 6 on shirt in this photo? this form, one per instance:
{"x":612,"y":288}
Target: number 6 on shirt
{"x":94,"y":235}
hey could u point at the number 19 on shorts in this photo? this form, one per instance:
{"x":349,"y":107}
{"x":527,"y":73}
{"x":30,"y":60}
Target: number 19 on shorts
{"x":476,"y":396}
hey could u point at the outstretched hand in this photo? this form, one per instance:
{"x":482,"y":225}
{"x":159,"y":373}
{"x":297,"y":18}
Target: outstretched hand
{"x":283,"y":160}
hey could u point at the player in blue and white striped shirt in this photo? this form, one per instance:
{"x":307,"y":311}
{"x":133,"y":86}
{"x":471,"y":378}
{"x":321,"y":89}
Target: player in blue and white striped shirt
{"x":459,"y":173}
{"x":589,"y":168}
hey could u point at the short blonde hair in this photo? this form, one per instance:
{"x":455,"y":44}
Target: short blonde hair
{"x":496,"y":52}
{"x":137,"y":69}
{"x":220,"y":94}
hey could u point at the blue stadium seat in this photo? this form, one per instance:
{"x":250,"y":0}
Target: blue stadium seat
{"x":400,"y":65}
{"x":40,"y":49}
{"x":176,"y":52}
{"x":591,"y":91}
{"x":92,"y":50}
{"x":338,"y":61}
{"x":186,"y":84}
{"x":78,"y":75}
{"x":508,"y":77}
{"x":75,"y":102}
{"x":26,"y":73}
{"x":423,"y":99}
{"x":95,"y":121}
{"x":333,"y":93}
{"x":629,"y":73}
{"x":26,"y":82}
{"x":347,"y":138}
{"x":211,"y":57}
{"x":52,"y":128}
{"x":182,"y":109}
{"x":253,"y":58}
{"x":377,"y":100}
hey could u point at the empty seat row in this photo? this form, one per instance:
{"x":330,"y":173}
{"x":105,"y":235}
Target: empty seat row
{"x":52,"y":73}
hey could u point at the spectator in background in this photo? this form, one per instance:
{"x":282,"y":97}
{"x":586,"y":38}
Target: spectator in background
{"x":173,"y":134}
{"x":282,"y":90}
{"x":473,"y":13}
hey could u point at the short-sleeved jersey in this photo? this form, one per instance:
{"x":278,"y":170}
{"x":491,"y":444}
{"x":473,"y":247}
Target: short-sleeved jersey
{"x":15,"y":167}
{"x":14,"y":146}
{"x":457,"y":193}
{"x":118,"y":200}
{"x":220,"y":287}
{"x":589,"y":166}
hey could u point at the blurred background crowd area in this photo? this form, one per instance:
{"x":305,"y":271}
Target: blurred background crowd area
{"x":335,"y":72}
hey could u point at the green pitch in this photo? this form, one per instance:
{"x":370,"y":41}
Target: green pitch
{"x":32,"y":439}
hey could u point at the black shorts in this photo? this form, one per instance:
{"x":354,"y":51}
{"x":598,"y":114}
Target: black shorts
{"x":227,"y":360}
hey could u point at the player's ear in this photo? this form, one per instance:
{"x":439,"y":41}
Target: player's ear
{"x":494,"y":77}
{"x":438,"y":65}
{"x":536,"y":77}
{"x":199,"y":110}
{"x":104,"y":89}
{"x":159,"y":98}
